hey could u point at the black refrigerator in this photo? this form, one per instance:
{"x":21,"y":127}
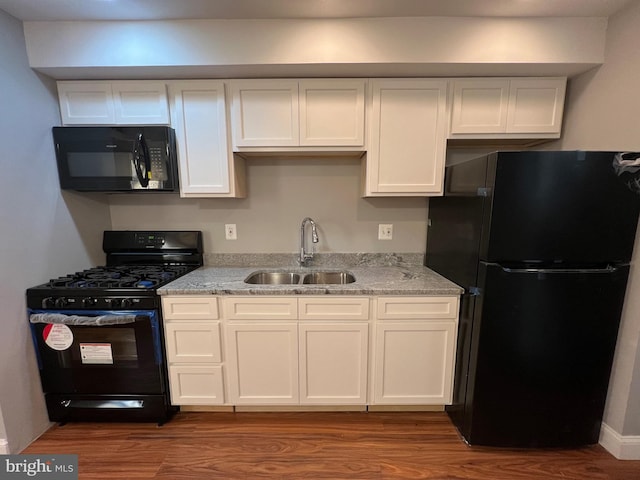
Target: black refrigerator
{"x":541,"y":243}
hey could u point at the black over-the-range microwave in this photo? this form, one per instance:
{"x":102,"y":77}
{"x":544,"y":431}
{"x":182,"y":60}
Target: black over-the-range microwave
{"x":117,"y":159}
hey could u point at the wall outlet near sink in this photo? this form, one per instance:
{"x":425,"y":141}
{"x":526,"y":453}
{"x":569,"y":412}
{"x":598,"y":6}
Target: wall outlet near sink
{"x":385,"y":231}
{"x":230,"y":232}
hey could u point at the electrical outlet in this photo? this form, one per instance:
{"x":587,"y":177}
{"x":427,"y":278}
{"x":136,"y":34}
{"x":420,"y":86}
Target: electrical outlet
{"x":385,"y":231}
{"x":230,"y":232}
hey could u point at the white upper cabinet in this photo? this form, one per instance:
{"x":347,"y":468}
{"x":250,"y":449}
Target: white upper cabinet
{"x":207,"y":165}
{"x":331,"y":112}
{"x":86,"y":103}
{"x":295,"y":114}
{"x":140,"y":103}
{"x":135,"y":102}
{"x":265,"y":113}
{"x":407,"y":137}
{"x":507,"y":108}
{"x":536,"y":106}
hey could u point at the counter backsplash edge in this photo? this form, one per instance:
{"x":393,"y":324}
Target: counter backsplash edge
{"x":320,"y":260}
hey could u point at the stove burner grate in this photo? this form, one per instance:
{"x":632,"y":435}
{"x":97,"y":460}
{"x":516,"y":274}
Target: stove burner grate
{"x":122,"y":276}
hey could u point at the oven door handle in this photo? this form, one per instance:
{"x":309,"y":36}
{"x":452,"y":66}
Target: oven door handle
{"x":74,"y":319}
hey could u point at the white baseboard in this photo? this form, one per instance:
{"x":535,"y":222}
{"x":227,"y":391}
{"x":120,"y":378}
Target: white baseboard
{"x":623,"y":447}
{"x":4,"y":447}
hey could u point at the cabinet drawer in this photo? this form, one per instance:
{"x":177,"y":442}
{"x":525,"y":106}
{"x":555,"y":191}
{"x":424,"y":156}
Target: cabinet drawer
{"x":193,"y":342}
{"x":196,"y":385}
{"x":260,"y":308}
{"x":190,"y":308}
{"x":417,"y":307}
{"x":334,"y":308}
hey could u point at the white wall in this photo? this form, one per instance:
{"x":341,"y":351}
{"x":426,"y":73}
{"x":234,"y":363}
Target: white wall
{"x":602,"y":114}
{"x":319,"y":47}
{"x":281,"y":192}
{"x":44,"y":234}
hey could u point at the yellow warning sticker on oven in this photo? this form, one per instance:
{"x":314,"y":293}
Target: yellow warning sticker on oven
{"x":96,"y":353}
{"x":57,"y":336}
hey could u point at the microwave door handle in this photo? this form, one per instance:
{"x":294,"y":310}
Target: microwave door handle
{"x":141,"y":154}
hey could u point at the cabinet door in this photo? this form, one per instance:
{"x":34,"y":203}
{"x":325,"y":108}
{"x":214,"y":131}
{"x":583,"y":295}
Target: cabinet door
{"x":193,"y":342}
{"x":407,"y":139}
{"x":86,"y":103}
{"x":265,"y":113}
{"x":333,"y":363}
{"x":263,"y":363}
{"x":140,"y":103}
{"x":480,"y":106}
{"x":200,"y":121}
{"x":196,"y":384}
{"x":536,"y":105}
{"x":509,"y":108}
{"x":332,"y":112}
{"x":414,"y":362}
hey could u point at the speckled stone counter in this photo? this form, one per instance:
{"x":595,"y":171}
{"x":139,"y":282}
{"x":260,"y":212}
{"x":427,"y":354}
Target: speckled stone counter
{"x":376,"y":274}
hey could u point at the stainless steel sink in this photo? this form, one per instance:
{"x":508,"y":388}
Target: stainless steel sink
{"x":273,"y":278}
{"x":333,"y":278}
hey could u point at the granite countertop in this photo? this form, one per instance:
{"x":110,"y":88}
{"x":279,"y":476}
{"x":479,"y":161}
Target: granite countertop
{"x":376,"y":274}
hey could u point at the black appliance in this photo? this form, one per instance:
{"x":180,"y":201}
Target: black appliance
{"x":541,"y":242}
{"x":117,"y":159}
{"x":98,"y":333}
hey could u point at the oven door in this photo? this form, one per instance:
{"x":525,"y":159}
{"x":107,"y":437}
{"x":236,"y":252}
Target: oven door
{"x":98,"y":352}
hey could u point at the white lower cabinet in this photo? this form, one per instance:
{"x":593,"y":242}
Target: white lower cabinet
{"x":333,"y":363}
{"x":196,"y":384}
{"x":291,"y":351}
{"x":263,"y":350}
{"x":414,"y":353}
{"x":263,"y":363}
{"x":194,"y":351}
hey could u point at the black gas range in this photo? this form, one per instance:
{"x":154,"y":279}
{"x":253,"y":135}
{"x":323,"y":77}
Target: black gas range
{"x":98,"y":333}
{"x":137,"y":264}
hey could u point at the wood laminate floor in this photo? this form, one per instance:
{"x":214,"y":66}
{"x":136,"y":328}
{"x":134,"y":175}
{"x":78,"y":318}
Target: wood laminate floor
{"x":337,"y":445}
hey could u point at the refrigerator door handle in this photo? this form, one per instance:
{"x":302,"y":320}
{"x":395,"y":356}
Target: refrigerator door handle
{"x":473,"y":292}
{"x":608,"y":269}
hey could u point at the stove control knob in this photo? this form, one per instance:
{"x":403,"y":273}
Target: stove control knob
{"x":61,"y":302}
{"x":48,"y":302}
{"x":113,"y":302}
{"x":125,"y":303}
{"x":88,"y":302}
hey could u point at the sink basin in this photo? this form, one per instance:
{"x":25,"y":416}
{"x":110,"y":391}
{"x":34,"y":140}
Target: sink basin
{"x":329,"y":278}
{"x":273,"y":278}
{"x":276,"y":277}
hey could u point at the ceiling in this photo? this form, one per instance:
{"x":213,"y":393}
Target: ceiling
{"x":30,"y":10}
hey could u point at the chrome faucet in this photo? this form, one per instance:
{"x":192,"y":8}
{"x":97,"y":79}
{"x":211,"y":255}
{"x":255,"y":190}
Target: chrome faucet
{"x":304,"y":255}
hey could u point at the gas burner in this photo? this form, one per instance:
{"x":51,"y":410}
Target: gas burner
{"x":121,"y":276}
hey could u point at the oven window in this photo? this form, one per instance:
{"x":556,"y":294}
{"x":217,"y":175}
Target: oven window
{"x":104,"y":345}
{"x":100,"y":164}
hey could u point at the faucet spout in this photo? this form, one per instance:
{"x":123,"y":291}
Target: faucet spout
{"x":306,"y":256}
